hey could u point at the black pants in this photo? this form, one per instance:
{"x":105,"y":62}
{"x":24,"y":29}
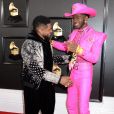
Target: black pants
{"x":42,"y":99}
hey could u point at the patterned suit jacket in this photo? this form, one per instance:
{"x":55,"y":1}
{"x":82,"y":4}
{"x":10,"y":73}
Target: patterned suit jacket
{"x":33,"y":64}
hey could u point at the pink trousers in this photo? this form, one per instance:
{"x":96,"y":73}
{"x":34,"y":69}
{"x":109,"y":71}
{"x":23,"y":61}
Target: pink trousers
{"x":79,"y":94}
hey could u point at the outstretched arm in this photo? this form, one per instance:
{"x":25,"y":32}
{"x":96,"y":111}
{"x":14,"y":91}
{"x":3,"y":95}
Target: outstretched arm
{"x":59,"y":45}
{"x":61,"y":59}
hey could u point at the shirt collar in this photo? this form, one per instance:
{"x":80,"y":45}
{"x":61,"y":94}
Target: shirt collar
{"x":83,"y":29}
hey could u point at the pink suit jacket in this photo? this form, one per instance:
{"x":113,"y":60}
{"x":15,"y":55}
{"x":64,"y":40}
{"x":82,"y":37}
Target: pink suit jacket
{"x":91,"y":41}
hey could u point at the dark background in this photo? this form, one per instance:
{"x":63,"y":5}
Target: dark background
{"x":21,"y":5}
{"x":103,"y":70}
{"x":8,"y":58}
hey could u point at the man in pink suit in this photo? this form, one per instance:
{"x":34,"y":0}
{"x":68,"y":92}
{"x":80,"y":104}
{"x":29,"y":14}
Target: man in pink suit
{"x":86,"y":44}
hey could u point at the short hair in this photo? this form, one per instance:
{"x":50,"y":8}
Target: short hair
{"x":40,"y":20}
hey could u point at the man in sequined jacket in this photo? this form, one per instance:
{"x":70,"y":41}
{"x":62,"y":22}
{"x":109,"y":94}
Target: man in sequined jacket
{"x":37,"y":73}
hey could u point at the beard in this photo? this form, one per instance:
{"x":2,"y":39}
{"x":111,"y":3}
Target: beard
{"x":47,"y":38}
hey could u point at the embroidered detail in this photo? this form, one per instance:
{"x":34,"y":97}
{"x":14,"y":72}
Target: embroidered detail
{"x":90,"y":40}
{"x":61,"y":59}
{"x":73,"y":61}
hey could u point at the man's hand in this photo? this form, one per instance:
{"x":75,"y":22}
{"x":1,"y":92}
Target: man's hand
{"x":65,"y":81}
{"x":71,"y":46}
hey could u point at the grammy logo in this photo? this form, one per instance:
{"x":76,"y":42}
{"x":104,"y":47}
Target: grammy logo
{"x":14,"y":50}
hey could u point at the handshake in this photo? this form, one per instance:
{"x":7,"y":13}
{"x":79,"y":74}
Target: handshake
{"x":65,"y":81}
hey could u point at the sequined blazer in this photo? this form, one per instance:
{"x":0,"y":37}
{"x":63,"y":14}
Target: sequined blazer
{"x":33,"y":64}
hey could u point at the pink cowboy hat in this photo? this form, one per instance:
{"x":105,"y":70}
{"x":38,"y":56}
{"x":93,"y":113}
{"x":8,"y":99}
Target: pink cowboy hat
{"x":79,"y":8}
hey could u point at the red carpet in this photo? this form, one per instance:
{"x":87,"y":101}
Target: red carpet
{"x":9,"y":113}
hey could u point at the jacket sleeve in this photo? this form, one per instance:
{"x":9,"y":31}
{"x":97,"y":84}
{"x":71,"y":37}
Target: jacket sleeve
{"x":34,"y":62}
{"x":61,"y":59}
{"x":93,"y":55}
{"x":59,"y":45}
